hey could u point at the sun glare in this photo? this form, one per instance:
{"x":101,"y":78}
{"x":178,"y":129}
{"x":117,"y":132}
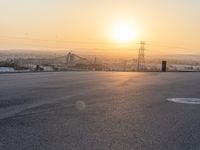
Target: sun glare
{"x":124,"y":32}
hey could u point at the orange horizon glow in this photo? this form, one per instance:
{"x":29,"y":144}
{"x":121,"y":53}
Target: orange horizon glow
{"x":92,"y":25}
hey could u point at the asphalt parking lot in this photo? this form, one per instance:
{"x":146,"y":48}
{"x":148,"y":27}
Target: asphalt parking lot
{"x":99,"y":111}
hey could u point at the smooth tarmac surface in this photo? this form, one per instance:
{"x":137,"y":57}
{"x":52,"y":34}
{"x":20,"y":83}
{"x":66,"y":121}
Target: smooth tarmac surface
{"x":99,"y":111}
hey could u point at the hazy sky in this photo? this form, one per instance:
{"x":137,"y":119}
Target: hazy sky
{"x":86,"y":24}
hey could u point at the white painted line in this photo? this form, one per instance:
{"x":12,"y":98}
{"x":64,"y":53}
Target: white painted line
{"x":185,"y":100}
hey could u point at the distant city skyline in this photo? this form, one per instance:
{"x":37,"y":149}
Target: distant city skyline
{"x":169,"y":27}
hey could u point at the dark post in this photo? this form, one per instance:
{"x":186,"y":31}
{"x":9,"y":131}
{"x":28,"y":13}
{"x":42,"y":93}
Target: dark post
{"x":164,"y":66}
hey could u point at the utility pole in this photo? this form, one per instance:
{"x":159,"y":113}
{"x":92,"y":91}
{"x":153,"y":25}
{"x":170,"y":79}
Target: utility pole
{"x":94,"y":65}
{"x":141,"y":59}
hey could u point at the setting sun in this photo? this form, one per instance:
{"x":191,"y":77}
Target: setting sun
{"x":124,"y":32}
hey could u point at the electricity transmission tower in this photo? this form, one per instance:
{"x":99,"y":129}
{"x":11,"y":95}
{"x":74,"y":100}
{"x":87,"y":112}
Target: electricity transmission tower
{"x":69,"y":58}
{"x":141,"y":59}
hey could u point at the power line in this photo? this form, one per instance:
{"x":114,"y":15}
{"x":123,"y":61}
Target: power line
{"x":58,"y":41}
